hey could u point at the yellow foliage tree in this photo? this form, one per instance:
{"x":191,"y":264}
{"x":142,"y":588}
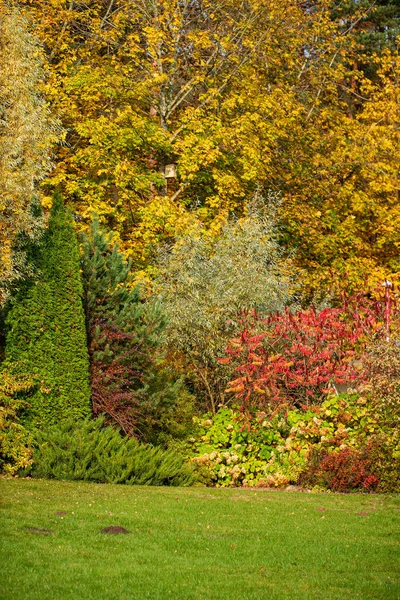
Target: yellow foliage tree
{"x":141,"y":85}
{"x":15,"y":441}
{"x":26,"y":133}
{"x":342,"y":209}
{"x":236,"y":96}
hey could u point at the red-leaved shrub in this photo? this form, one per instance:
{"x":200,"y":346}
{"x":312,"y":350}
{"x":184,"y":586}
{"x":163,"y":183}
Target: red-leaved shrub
{"x":115,"y":378}
{"x":299,"y":355}
{"x":343,"y":471}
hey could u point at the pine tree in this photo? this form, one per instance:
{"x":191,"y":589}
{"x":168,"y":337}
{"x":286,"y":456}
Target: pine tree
{"x":45,"y":335}
{"x":377,"y":23}
{"x":124,"y":333}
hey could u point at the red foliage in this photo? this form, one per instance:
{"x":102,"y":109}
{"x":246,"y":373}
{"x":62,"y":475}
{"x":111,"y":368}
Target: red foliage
{"x":341,"y":471}
{"x":114,"y":382}
{"x":299,"y":355}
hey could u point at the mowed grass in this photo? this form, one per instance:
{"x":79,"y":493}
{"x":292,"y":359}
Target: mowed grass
{"x":194,"y":543}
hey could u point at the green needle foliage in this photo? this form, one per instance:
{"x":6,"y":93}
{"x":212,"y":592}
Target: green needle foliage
{"x":45,"y":336}
{"x":129,"y":381}
{"x":124,"y":333}
{"x":88,"y":451}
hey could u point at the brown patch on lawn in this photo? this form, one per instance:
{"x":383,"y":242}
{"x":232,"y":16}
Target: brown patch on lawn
{"x":39,"y":531}
{"x":114,"y":529}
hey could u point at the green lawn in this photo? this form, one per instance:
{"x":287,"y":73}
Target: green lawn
{"x":195,"y":543}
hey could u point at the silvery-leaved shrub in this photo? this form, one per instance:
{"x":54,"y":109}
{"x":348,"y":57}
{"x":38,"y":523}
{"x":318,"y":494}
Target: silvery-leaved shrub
{"x":208,"y":286}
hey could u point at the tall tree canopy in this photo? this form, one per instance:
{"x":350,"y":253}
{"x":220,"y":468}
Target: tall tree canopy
{"x":26,"y":134}
{"x":238,"y":96}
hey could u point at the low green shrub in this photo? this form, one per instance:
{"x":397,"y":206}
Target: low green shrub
{"x":15,"y":441}
{"x":167,"y":410}
{"x":349,"y":446}
{"x":236,"y":453}
{"x":89,"y":451}
{"x":340,"y":445}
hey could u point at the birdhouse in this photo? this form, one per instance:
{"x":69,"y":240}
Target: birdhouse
{"x":170,"y":171}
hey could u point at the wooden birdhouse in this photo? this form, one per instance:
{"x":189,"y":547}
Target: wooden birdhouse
{"x":170,"y":171}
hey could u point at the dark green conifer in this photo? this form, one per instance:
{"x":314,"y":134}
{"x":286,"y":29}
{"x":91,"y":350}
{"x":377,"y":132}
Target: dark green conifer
{"x":124,"y":333}
{"x":46,"y":337}
{"x":376,"y":23}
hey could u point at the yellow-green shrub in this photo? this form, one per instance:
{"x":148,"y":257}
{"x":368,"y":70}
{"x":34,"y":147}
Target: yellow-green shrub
{"x":260,"y":451}
{"x":15,"y":440}
{"x":236,"y":453}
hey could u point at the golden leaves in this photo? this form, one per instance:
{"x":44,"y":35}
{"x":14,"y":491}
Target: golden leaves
{"x":27,"y":132}
{"x":256,"y":96}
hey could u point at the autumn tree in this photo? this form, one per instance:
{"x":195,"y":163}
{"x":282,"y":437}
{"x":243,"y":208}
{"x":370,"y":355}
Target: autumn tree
{"x":27,"y":132}
{"x":342,"y":210}
{"x":236,"y":97}
{"x":157,"y":82}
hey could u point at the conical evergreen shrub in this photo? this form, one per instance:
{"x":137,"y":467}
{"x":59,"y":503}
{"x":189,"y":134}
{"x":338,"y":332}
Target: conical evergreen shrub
{"x":45,"y":328}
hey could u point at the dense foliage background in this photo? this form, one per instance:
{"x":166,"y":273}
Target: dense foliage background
{"x":232,"y":172}
{"x":300,"y":98}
